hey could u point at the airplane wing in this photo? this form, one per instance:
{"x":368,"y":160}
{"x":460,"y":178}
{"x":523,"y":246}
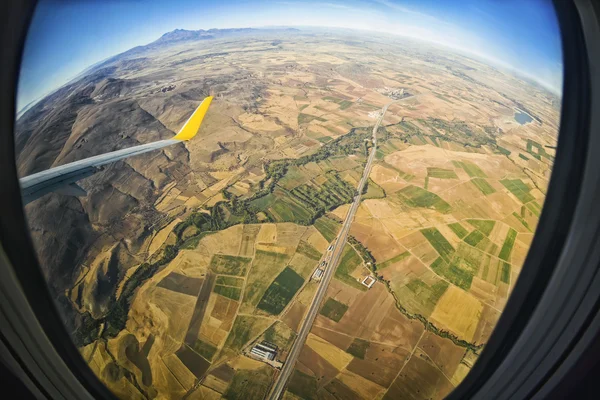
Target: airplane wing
{"x":62,"y":178}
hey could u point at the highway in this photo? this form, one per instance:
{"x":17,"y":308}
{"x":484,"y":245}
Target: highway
{"x":334,"y":258}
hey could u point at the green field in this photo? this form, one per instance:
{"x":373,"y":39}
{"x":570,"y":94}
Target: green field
{"x":341,"y":102}
{"x":483,"y":186}
{"x":393,"y":260}
{"x":464,"y":265}
{"x":414,"y":196}
{"x":372,"y":191}
{"x":535,"y":208}
{"x":457,"y":228}
{"x":350,"y":260}
{"x":439,"y":243}
{"x":474,"y":238}
{"x":333,"y":309}
{"x":266,"y":266}
{"x":471,"y":169}
{"x":306,"y":118}
{"x":541,"y":151}
{"x":233,"y":293}
{"x":519,"y":189}
{"x":358,"y":348}
{"x":318,"y":199}
{"x":508,"y":245}
{"x":302,"y":385}
{"x":229,"y":281}
{"x":281,"y":291}
{"x":523,"y":156}
{"x":441,"y":173}
{"x":206,"y":350}
{"x":505,"y":277}
{"x":245,"y":328}
{"x":229,"y":265}
{"x":485,"y":226}
{"x":328,"y":228}
{"x":287,"y":209}
{"x":280,"y":335}
{"x":420,"y":298}
{"x":250,"y":384}
{"x":521,"y":220}
{"x":307,"y":250}
{"x":454,"y":272}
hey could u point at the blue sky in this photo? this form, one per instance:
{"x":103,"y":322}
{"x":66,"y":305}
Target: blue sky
{"x":67,"y":36}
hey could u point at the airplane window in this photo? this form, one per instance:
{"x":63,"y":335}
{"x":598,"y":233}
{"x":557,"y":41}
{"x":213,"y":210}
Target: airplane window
{"x":290,"y":200}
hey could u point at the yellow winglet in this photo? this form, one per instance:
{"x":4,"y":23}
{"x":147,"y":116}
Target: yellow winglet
{"x":192,"y":125}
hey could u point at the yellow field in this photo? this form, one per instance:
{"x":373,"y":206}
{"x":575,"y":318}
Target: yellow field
{"x":159,"y":239}
{"x":316,"y":240}
{"x":267,"y":234}
{"x":362,"y":386}
{"x":334,"y":355}
{"x":243,"y":362}
{"x":457,"y":311}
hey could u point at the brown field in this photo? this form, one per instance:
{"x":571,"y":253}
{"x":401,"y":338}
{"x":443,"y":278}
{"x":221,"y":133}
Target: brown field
{"x":442,"y":352}
{"x":365,"y":388}
{"x":396,"y":329}
{"x":419,"y":379}
{"x":339,"y":390}
{"x":339,"y":340}
{"x":381,"y":364}
{"x":319,"y":367}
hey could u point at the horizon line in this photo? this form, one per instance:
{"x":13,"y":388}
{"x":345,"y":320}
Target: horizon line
{"x":554,"y":90}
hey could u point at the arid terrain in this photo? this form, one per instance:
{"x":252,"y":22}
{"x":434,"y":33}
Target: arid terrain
{"x":178,"y":262}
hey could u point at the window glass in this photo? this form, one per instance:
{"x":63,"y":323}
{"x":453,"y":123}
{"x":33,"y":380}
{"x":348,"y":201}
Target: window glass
{"x":349,"y":219}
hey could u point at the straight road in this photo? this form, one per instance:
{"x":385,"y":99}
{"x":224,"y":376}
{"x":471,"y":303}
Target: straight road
{"x":336,"y":253}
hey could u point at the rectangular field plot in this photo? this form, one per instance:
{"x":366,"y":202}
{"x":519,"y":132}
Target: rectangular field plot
{"x":181,"y":284}
{"x":328,"y":228}
{"x":308,"y":250}
{"x":250,"y":383}
{"x":358,"y":348}
{"x":505,"y":277}
{"x":471,"y":169}
{"x":229,"y":265}
{"x":333,"y":309}
{"x":457,"y":228}
{"x":230,"y":292}
{"x":459,"y":312}
{"x":229,"y":281}
{"x":519,"y":189}
{"x":206,"y":350}
{"x":508,"y":245}
{"x":414,"y":196}
{"x":350,"y":260}
{"x":441,"y":173}
{"x":196,"y":364}
{"x":303,"y":385}
{"x":281,"y":291}
{"x":266,"y":266}
{"x":535,"y":208}
{"x":439,"y":242}
{"x":244,"y":329}
{"x":460,"y":270}
{"x":393,"y":260}
{"x":483,"y":186}
{"x":484,"y":226}
{"x":419,"y":297}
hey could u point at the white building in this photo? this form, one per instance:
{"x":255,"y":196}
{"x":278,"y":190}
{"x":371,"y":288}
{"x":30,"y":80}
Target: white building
{"x":318,"y":274}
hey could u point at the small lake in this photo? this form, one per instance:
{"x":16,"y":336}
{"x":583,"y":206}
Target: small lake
{"x":522,"y":118}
